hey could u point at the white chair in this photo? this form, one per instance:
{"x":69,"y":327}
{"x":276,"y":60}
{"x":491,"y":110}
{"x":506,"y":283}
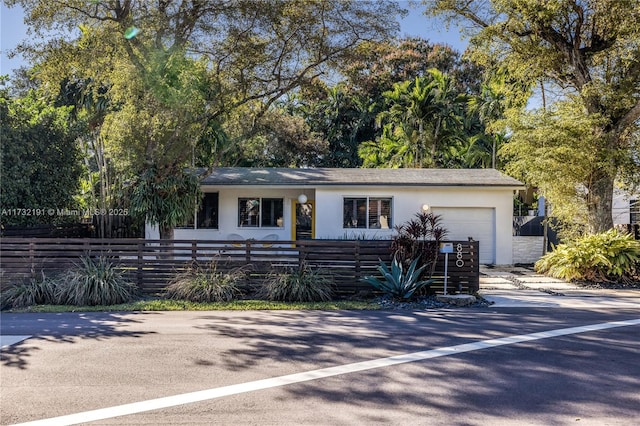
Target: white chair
{"x":234,"y":237}
{"x":270,"y":237}
{"x":384,"y":222}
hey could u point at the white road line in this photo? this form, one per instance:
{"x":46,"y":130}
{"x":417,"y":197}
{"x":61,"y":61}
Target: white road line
{"x":6,"y":341}
{"x":188,"y":398}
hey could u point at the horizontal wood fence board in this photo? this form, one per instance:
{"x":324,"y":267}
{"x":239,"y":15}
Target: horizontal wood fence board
{"x":152,"y":264}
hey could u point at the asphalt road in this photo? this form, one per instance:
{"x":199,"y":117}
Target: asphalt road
{"x":79,"y":362}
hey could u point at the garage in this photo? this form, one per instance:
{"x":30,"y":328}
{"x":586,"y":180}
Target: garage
{"x":368,"y":203}
{"x":475,"y":222}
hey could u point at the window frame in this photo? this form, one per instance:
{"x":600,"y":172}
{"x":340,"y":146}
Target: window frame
{"x":634,"y":211}
{"x":367,"y":216}
{"x":261,"y":211}
{"x":193,"y":221}
{"x":201,"y":212}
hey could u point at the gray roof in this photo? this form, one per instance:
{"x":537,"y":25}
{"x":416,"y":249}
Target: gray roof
{"x":352,"y":177}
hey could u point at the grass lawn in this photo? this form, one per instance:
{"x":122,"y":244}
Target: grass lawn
{"x":181,"y":305}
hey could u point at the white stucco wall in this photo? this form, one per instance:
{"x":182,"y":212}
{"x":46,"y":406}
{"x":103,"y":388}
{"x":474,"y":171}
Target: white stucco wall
{"x":407,"y":201}
{"x":228,"y":214}
{"x":620,"y":208}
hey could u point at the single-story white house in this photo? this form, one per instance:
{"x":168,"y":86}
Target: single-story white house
{"x":332,"y":203}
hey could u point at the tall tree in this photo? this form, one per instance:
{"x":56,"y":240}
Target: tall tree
{"x":39,"y":160}
{"x":279,"y":139}
{"x":588,"y":51}
{"x":375,"y":67}
{"x":341,"y":116}
{"x":542,"y":143}
{"x":344,"y":114}
{"x":176,"y":69}
{"x":424,"y":120}
{"x":485,"y":109}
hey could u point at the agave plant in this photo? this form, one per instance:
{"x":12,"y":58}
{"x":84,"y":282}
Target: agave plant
{"x":398,"y":283}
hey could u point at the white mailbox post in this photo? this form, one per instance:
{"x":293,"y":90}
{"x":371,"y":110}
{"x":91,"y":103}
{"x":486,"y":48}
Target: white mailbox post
{"x":446,"y":248}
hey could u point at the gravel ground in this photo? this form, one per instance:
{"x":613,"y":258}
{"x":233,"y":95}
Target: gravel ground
{"x":609,"y":285}
{"x":426,"y":302}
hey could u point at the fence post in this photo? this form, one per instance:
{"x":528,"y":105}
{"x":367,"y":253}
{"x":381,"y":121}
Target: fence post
{"x":194,"y":250}
{"x":248,"y":251}
{"x":357,"y":259}
{"x":474,"y":250}
{"x":32,"y":266}
{"x":140,"y":264}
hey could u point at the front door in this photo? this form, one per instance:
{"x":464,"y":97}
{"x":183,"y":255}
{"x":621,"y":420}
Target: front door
{"x":304,"y":220}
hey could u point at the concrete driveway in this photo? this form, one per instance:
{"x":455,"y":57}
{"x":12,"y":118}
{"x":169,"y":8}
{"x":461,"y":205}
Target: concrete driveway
{"x":522,"y":287}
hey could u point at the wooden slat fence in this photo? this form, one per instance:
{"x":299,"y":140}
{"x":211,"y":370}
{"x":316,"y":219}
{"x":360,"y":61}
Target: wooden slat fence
{"x":153,"y":263}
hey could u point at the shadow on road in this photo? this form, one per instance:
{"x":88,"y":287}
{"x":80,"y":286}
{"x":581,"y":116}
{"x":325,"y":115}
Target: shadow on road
{"x":540,"y":380}
{"x":61,"y":328}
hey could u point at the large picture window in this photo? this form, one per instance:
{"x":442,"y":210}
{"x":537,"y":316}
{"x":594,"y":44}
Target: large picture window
{"x":367,"y":213}
{"x":260,"y":212}
{"x":207,"y":215}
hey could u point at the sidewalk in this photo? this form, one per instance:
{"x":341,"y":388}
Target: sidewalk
{"x":510,"y":287}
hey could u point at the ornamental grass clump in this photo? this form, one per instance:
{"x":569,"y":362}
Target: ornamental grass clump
{"x":610,"y":256}
{"x":92,"y":282}
{"x":205,"y":283}
{"x":398,"y":283}
{"x":297,"y":285}
{"x":36,"y":291}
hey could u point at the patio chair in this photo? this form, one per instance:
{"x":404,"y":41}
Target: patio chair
{"x":270,"y":237}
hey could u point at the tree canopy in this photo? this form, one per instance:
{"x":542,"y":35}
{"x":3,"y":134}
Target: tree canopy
{"x":587,"y":52}
{"x":176,"y":71}
{"x":39,"y":160}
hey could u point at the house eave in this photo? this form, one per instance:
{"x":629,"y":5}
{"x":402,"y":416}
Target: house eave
{"x":327,"y":177}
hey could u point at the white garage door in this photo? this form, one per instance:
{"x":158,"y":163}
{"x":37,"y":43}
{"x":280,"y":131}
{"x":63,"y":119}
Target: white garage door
{"x":477,"y":223}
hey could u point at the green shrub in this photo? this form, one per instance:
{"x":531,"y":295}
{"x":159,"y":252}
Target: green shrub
{"x":206,"y":284}
{"x":297,"y":285}
{"x":608,"y":256}
{"x":398,"y":283}
{"x":37,"y":291}
{"x":419,"y":238}
{"x":94,"y":281}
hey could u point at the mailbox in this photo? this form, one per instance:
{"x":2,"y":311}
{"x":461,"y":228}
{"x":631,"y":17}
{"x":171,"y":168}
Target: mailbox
{"x":446,"y":247}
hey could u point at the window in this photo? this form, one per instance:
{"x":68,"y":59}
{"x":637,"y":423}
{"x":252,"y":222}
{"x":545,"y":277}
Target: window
{"x":634,"y":210}
{"x":380,"y":213}
{"x":367,"y":212}
{"x":260,"y":212}
{"x":207,"y":215}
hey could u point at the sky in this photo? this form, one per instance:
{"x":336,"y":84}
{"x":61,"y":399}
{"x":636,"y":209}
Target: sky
{"x":13,"y":31}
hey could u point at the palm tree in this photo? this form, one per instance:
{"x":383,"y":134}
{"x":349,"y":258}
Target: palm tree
{"x":488,"y":107}
{"x":427,"y":116}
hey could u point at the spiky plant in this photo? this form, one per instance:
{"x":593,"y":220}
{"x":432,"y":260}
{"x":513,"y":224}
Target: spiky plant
{"x":36,"y":291}
{"x":94,"y":281}
{"x":397,"y":282}
{"x":297,"y":285}
{"x":419,"y":238}
{"x":205,"y":283}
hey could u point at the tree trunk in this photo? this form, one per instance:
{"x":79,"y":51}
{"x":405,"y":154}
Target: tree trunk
{"x":600,"y":202}
{"x":165,"y":233}
{"x":166,"y":246}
